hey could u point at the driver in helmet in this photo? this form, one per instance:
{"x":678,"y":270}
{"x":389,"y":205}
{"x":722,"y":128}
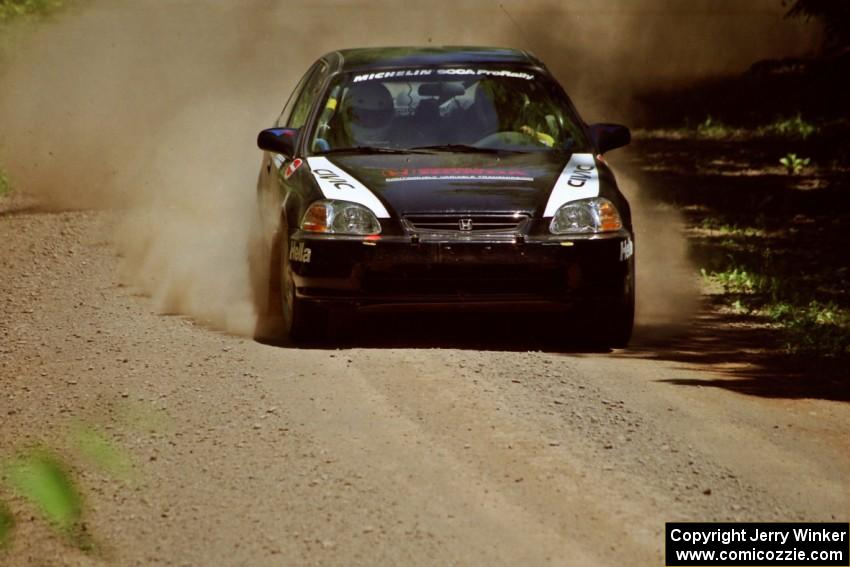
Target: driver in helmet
{"x":368,"y":111}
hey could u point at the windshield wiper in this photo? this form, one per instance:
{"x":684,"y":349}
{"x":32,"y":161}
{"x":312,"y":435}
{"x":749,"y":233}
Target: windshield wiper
{"x":369,"y":150}
{"x":465,"y":148}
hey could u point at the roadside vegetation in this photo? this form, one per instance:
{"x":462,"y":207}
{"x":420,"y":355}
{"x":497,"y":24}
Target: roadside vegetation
{"x":759,"y":164}
{"x":761,"y":272}
{"x":5,"y":184}
{"x":14,"y":9}
{"x":788,"y":129}
{"x":767,"y":220}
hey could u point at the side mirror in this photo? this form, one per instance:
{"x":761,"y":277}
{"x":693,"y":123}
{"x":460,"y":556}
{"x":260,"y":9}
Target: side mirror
{"x":609,"y":136}
{"x":278,"y":140}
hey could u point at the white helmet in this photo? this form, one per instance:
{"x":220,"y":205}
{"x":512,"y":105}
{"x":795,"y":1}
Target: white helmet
{"x":368,"y":109}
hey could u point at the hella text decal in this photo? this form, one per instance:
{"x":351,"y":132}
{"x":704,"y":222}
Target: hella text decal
{"x":627,"y":248}
{"x":578,"y":180}
{"x":299,"y":253}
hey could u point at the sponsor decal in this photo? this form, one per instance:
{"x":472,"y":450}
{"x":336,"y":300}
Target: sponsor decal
{"x":580,"y":175}
{"x":292,"y":167}
{"x":486,"y":72}
{"x":627,"y":249}
{"x":393,"y":74}
{"x":446,"y":72}
{"x":455,"y":174}
{"x":336,"y":183}
{"x":578,"y":180}
{"x":299,"y":253}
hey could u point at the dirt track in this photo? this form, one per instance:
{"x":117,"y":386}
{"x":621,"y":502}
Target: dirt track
{"x":398,"y":451}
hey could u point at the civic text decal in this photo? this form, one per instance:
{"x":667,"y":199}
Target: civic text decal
{"x":336,"y":183}
{"x":578,"y":180}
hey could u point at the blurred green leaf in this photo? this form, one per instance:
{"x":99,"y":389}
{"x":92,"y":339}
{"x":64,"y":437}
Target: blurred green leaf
{"x":42,"y":479}
{"x":98,"y":449}
{"x":5,"y":184}
{"x":10,"y":9}
{"x":7,"y":523}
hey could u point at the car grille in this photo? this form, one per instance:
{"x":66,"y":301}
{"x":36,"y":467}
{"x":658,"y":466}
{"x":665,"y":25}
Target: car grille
{"x":465,"y":280}
{"x":466,"y":223}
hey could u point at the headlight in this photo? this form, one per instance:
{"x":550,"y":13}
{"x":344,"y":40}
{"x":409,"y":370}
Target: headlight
{"x":586,"y":216}
{"x":340,"y":217}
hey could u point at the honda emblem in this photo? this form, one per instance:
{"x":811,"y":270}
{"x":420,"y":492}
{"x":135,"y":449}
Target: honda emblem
{"x":465,"y":224}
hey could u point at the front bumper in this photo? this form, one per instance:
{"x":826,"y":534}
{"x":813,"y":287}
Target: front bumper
{"x":462,"y":272}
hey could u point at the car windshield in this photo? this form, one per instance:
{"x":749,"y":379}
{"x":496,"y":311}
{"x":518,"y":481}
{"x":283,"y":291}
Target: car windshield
{"x":452,"y":109}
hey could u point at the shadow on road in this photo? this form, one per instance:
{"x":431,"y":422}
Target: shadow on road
{"x":734,"y":351}
{"x":781,"y":233}
{"x":740,"y":354}
{"x":466,"y":331}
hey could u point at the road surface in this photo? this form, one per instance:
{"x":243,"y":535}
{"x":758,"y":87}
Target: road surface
{"x":481,"y":447}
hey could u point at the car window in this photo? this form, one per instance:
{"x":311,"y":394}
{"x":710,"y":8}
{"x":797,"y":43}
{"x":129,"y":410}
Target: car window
{"x":301,"y":109}
{"x":290,"y":103}
{"x":516,"y":109}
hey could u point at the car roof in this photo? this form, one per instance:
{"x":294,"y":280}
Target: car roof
{"x":384,"y":57}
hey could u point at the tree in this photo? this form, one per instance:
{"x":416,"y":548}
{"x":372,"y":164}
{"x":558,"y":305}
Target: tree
{"x":834,"y":14}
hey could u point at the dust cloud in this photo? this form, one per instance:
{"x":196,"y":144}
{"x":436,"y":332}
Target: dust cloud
{"x":151,"y":108}
{"x":667,"y":282}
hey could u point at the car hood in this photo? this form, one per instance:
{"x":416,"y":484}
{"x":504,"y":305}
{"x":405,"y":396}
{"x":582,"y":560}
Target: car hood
{"x":452,"y":182}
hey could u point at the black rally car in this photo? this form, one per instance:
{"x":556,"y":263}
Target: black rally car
{"x":443,"y":177}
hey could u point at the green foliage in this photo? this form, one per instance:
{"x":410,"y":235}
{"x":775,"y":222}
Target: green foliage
{"x":810,"y":328}
{"x":710,"y":128}
{"x":10,"y":9}
{"x":821,"y":329}
{"x":795,"y":127}
{"x":7,"y":523}
{"x":739,"y":307}
{"x":739,"y":280}
{"x":97,"y":449}
{"x":791,"y":128}
{"x":5,"y":184}
{"x":760,"y":271}
{"x":794,"y":164}
{"x":733,"y":229}
{"x":41,"y":478}
{"x":834,"y":14}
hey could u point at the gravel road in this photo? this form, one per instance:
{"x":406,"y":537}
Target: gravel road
{"x":394,"y":450}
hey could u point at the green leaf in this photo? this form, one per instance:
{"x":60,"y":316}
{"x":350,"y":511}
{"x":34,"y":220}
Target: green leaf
{"x":7,"y":524}
{"x":5,"y":184}
{"x":103,"y":453}
{"x":42,"y":479}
